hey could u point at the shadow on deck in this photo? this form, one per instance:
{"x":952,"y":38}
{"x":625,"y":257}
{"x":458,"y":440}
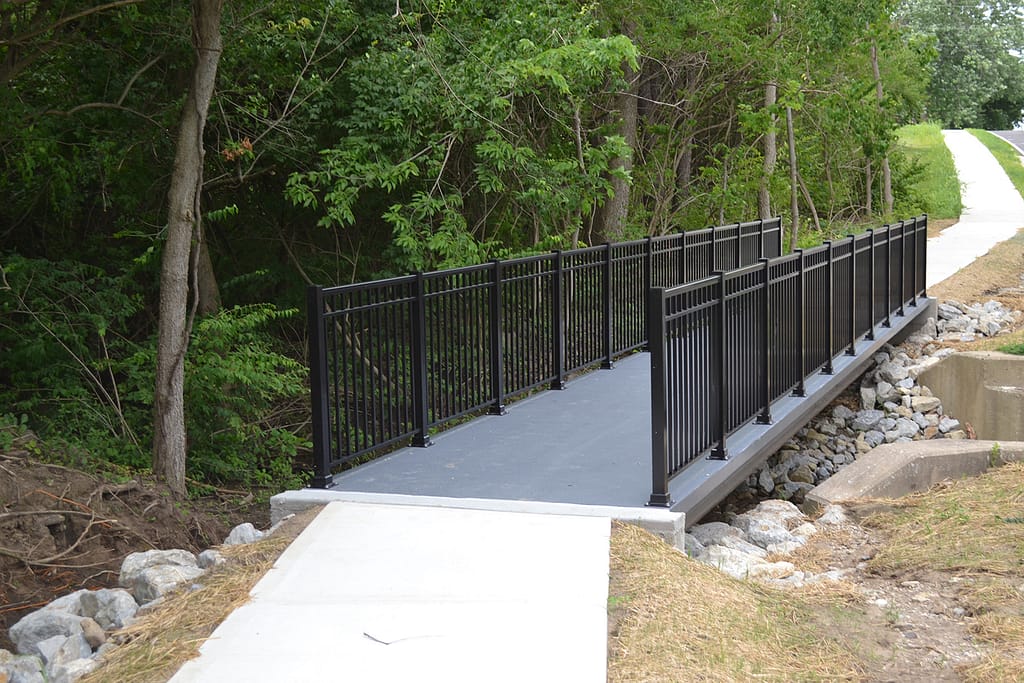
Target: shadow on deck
{"x":590,"y":444}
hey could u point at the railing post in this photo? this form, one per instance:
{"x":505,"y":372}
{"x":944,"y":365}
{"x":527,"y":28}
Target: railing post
{"x":683,"y":258}
{"x":888,"y":277}
{"x":801,"y":389}
{"x":420,"y":409}
{"x":648,"y":284}
{"x":739,"y":245}
{"x":903,"y":267}
{"x":760,"y":238}
{"x":714,"y":250}
{"x":765,"y":416}
{"x":721,"y":450}
{"x":609,"y":347}
{"x":659,"y":404}
{"x":497,"y":341}
{"x":557,"y":325}
{"x":322,"y":477}
{"x":913,"y":264}
{"x":871,"y":286}
{"x":829,"y":298}
{"x":924,"y":257}
{"x":852,"y":350}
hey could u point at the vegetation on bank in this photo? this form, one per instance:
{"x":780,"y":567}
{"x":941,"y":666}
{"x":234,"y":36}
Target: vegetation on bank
{"x":350,"y":140}
{"x":936,"y":189}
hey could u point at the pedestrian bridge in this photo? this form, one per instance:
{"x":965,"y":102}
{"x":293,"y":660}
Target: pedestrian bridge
{"x":658,"y":372}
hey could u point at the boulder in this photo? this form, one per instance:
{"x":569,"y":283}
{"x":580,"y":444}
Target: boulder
{"x":766,"y":532}
{"x":155,"y":582}
{"x":112,"y":608}
{"x":20,"y":668}
{"x":712,"y":532}
{"x":733,"y":562}
{"x":925,"y":404}
{"x":73,"y":670}
{"x":866,"y":419}
{"x":93,"y":632}
{"x":243,"y":534}
{"x":210,"y":558}
{"x":40,"y":625}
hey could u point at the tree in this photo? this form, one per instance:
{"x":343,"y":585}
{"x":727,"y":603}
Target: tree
{"x":181,"y":251}
{"x":977,"y":69}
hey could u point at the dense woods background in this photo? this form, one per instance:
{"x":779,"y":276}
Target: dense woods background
{"x":173,"y":174}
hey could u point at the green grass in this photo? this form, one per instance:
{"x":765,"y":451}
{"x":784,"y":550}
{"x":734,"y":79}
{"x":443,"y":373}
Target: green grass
{"x":1006,"y":154}
{"x":934,"y":187}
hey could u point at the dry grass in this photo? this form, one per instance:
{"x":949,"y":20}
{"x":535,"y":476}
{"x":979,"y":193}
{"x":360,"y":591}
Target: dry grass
{"x":972,"y":528}
{"x":682,"y":618}
{"x":967,"y":526}
{"x":158,"y":643}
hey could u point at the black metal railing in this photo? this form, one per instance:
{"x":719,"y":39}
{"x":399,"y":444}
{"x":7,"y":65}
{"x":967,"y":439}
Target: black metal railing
{"x":392,"y":359}
{"x":725,"y":347}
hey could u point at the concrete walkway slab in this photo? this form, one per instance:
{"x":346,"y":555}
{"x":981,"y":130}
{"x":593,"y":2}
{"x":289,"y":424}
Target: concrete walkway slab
{"x":399,"y":593}
{"x":993,"y":209}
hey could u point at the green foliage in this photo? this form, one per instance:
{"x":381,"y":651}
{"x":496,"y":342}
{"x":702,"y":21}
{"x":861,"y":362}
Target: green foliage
{"x":466,"y":126}
{"x":241,"y":397}
{"x":977,"y":73}
{"x":927,"y":177}
{"x":1015,"y":349}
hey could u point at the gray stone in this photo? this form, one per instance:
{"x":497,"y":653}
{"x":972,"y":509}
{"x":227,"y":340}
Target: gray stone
{"x":907,"y":429}
{"x":886,"y":423}
{"x":765,"y":532}
{"x":892,"y":372}
{"x":73,"y":670}
{"x":920,"y":420}
{"x":712,"y":532}
{"x":37,"y":626}
{"x":867,"y":400}
{"x":155,"y":582}
{"x":73,"y":647}
{"x":874,"y":438}
{"x":765,"y":481}
{"x":828,"y":429}
{"x":884,"y":391}
{"x":866,"y":419}
{"x":48,"y":648}
{"x":841,"y":412}
{"x":243,"y":534}
{"x":742,"y":545}
{"x":112,"y":608}
{"x":693,"y":546}
{"x":70,"y":603}
{"x":907,"y":383}
{"x":136,"y":563}
{"x":948,"y":424}
{"x":732,"y":562}
{"x":210,"y":558}
{"x":20,"y":668}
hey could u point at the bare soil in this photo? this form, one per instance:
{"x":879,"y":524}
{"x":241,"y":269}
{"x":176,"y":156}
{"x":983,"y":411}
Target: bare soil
{"x":63,"y":529}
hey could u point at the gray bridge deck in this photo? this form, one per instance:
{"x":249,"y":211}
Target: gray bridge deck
{"x":591,"y":442}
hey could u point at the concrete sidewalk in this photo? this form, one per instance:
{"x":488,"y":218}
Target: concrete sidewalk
{"x":993,"y":209}
{"x":380,"y":593}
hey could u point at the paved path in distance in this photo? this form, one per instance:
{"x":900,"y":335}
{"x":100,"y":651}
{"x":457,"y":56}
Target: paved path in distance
{"x":993,"y":209}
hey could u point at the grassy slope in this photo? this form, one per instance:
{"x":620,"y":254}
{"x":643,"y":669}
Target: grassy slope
{"x":936,"y":191}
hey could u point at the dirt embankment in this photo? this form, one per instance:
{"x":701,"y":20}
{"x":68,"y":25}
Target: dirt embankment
{"x":62,"y":529}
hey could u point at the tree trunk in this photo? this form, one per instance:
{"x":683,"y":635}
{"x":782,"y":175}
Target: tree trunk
{"x":869,"y":182}
{"x":794,"y":205}
{"x":181,"y":253}
{"x":209,"y":291}
{"x":764,"y":198}
{"x":879,"y":95}
{"x":611,"y":217}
